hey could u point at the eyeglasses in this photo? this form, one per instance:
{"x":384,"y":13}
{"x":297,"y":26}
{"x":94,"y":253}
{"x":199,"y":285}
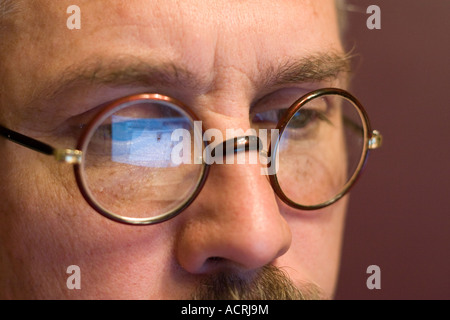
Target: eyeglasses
{"x":141,"y":160}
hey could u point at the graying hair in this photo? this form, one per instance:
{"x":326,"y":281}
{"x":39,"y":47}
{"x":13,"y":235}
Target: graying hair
{"x":268,"y":283}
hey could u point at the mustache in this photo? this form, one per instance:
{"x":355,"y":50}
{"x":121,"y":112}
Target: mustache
{"x":268,"y":283}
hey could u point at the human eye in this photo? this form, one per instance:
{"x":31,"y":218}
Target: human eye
{"x":310,"y":120}
{"x":268,"y":111}
{"x":281,"y":108}
{"x":306,"y":117}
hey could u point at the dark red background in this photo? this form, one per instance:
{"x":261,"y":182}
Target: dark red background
{"x":399,"y":217}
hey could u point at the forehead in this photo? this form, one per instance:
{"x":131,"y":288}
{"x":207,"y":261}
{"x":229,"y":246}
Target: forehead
{"x":231,"y":12}
{"x":207,"y":36}
{"x":181,"y":23}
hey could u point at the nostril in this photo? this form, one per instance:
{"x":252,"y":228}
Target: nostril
{"x":246,"y":233}
{"x":215,"y":260}
{"x":214,"y":264}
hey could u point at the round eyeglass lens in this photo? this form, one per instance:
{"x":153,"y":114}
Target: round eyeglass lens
{"x":139,"y":161}
{"x":321,"y":150}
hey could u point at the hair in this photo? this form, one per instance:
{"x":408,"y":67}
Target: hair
{"x":7,"y":7}
{"x":269,"y":283}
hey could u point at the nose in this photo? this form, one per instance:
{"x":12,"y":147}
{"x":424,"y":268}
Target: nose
{"x":234,"y":223}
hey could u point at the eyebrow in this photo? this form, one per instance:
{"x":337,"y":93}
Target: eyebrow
{"x":129,"y":71}
{"x":314,"y":68}
{"x":7,"y":8}
{"x":125,"y":71}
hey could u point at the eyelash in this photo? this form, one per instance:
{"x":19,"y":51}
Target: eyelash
{"x":267,"y":111}
{"x":301,"y":120}
{"x":272,"y":108}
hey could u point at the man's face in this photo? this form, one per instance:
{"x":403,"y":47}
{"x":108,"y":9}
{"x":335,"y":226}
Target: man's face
{"x":222,"y":59}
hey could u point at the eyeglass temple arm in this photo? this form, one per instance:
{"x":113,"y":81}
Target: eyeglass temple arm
{"x":63,"y":155}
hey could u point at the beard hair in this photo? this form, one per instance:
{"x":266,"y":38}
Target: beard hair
{"x":268,"y":283}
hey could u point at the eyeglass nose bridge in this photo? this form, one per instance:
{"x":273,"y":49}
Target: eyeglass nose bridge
{"x":239,"y":144}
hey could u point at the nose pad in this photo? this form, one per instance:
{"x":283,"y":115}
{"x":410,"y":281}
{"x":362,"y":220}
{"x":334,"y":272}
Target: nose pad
{"x":235,"y":221}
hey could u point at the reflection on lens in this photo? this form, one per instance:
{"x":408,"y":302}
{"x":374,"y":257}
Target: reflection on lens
{"x":320,"y":150}
{"x":130,"y":165}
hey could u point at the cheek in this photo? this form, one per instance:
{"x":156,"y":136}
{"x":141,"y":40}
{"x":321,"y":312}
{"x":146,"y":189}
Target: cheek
{"x":316,"y":245}
{"x":29,"y":232}
{"x":47,"y":226}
